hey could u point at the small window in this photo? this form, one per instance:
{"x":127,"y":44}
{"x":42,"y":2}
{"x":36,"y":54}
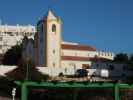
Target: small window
{"x":85,"y":66}
{"x":65,"y":70}
{"x":53,"y":64}
{"x":53,"y":28}
{"x":72,"y":64}
{"x":53,"y":51}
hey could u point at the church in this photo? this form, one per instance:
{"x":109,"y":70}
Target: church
{"x":53,"y":56}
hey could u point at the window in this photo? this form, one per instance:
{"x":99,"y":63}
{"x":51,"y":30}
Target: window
{"x":85,"y":66}
{"x":65,"y":70}
{"x":53,"y":28}
{"x":53,"y":64}
{"x":72,"y":64}
{"x":53,"y":51}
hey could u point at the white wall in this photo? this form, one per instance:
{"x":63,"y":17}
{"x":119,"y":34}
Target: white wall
{"x":11,"y":35}
{"x":107,"y":55}
{"x":4,"y":69}
{"x":69,"y":66}
{"x":79,"y":53}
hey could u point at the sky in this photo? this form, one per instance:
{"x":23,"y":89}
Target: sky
{"x":104,"y":24}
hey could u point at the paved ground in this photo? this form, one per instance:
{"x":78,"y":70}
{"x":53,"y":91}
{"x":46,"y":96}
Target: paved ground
{"x":5,"y":97}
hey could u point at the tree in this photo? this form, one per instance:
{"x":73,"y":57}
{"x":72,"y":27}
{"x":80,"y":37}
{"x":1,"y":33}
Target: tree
{"x":12,"y":56}
{"x":121,"y":57}
{"x":131,"y":60}
{"x":26,"y":70}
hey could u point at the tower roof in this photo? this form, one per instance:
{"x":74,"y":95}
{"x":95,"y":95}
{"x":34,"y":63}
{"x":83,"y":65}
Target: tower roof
{"x":50,"y":15}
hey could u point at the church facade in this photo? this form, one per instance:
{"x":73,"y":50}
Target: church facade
{"x":54,"y":56}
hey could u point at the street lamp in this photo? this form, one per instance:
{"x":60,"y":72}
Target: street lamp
{"x":13,"y":93}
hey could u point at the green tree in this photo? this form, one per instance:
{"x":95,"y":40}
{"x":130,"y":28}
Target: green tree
{"x":26,"y":70}
{"x":131,"y":60}
{"x":121,"y":57}
{"x":12,"y":56}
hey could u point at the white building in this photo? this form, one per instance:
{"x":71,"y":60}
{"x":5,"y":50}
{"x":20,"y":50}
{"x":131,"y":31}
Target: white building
{"x":11,"y":35}
{"x":55,"y":56}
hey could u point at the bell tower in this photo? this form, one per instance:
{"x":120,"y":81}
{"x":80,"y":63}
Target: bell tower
{"x":53,"y":43}
{"x":49,"y":41}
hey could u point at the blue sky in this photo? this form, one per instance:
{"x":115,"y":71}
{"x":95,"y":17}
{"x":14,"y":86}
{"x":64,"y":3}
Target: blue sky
{"x":104,"y":24}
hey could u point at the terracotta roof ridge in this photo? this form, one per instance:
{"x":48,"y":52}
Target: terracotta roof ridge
{"x":78,"y":47}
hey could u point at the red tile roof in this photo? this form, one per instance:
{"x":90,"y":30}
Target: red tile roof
{"x":76,"y":58}
{"x":77,"y":47}
{"x":79,"y":58}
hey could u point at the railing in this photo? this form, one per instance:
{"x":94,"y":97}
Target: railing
{"x":115,"y":86}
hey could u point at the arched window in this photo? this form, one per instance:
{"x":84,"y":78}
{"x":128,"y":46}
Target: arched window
{"x":53,"y":28}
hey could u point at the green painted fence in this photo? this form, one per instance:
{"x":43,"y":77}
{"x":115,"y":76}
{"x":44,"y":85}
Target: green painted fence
{"x":115,"y":86}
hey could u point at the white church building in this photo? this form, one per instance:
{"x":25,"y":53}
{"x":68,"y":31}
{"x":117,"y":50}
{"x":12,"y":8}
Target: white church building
{"x":52,"y":55}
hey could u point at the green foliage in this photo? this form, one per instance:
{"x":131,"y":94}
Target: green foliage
{"x":124,"y":58}
{"x":26,"y":69}
{"x":12,"y":56}
{"x":121,"y":58}
{"x":131,"y":60}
